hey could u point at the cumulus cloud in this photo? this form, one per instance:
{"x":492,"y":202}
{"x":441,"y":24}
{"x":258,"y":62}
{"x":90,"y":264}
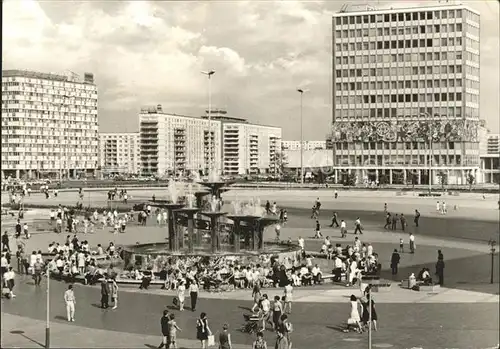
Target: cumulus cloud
{"x":153,"y":52}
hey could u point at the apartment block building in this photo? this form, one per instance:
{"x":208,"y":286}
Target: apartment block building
{"x":490,"y":159}
{"x":406,"y":93}
{"x":49,"y":125}
{"x":177,"y":144}
{"x":306,"y":145}
{"x":119,"y":153}
{"x":247,"y":148}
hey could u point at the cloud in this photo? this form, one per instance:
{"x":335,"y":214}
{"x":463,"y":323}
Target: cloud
{"x":153,"y":52}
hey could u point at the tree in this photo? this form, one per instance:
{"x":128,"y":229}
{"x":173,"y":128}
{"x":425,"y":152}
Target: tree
{"x":470,"y":180}
{"x":443,"y":179}
{"x":280,"y":162}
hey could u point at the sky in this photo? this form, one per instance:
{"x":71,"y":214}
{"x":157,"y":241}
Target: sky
{"x":148,"y":53}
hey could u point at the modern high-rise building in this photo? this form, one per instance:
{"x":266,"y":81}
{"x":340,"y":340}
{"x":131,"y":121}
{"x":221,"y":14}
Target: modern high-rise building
{"x":49,"y":125}
{"x":119,"y":153}
{"x":177,"y":144}
{"x":406,"y":93}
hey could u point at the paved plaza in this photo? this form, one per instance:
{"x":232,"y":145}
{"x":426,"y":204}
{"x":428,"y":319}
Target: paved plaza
{"x":463,"y":314}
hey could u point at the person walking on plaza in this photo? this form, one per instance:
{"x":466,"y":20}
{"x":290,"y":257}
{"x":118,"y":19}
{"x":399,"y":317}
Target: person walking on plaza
{"x":203,"y":330}
{"x":417,"y":218}
{"x":259,"y":343}
{"x":287,"y":307}
{"x":387,"y":221}
{"x":181,"y":295}
{"x":114,"y":292}
{"x":334,"y":221}
{"x":395,"y":258}
{"x":172,"y":331}
{"x":105,"y":293}
{"x":193,"y":294}
{"x":225,"y":338}
{"x":5,"y":242}
{"x":165,"y":333}
{"x":395,"y":219}
{"x":318,"y":230}
{"x":8,"y":279}
{"x":343,"y":228}
{"x":412,"y":243}
{"x":440,"y":270}
{"x":37,"y":271}
{"x":357,"y":226}
{"x":401,"y":245}
{"x":402,"y":219}
{"x":281,"y":341}
{"x":70,"y":300}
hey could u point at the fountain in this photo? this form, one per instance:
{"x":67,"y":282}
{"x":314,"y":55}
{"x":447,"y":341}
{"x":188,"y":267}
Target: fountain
{"x":239,"y":234}
{"x":215,"y":184}
{"x":189,"y":211}
{"x":170,"y":207}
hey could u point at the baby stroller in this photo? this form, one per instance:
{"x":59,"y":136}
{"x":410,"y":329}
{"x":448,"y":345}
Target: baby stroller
{"x":251,"y":323}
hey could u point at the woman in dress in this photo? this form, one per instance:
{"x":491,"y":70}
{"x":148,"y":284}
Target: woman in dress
{"x":287,"y":308}
{"x":366,"y":313}
{"x":354,"y":320}
{"x":202,"y":330}
{"x":114,"y":292}
{"x":256,"y":294}
{"x":181,"y":294}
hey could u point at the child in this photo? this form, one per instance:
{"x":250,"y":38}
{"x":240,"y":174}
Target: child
{"x":401,"y":245}
{"x":173,"y":328}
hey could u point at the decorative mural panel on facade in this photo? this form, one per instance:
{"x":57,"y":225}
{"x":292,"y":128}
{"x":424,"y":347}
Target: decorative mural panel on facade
{"x":405,"y":131}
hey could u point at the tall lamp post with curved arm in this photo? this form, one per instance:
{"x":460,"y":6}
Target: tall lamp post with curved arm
{"x":209,"y":75}
{"x":301,"y":91}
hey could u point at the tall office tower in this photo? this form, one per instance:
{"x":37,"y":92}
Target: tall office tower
{"x":119,"y":153}
{"x":177,"y":144}
{"x":406,"y":94}
{"x":49,"y":125}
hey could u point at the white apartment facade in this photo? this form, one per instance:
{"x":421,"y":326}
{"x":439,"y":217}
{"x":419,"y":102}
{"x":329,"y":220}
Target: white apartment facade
{"x":406,"y":94}
{"x":49,"y":125}
{"x":177,"y":144}
{"x":119,"y":153}
{"x":490,"y":159}
{"x":250,"y":148}
{"x":306,"y":145}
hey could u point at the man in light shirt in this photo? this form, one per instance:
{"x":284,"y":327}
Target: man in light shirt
{"x":70,"y":300}
{"x":343,"y":228}
{"x":412,"y":243}
{"x":301,"y":242}
{"x":265,"y":305}
{"x":316,"y":273}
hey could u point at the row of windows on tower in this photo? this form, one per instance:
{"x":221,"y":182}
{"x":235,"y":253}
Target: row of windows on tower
{"x":428,"y":57}
{"x":408,"y":30}
{"x":414,"y":112}
{"x":400,"y":98}
{"x":441,"y":69}
{"x":401,"y":44}
{"x":401,"y":84}
{"x":401,"y":17}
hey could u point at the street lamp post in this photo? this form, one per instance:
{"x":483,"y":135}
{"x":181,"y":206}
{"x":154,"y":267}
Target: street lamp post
{"x":209,"y":75}
{"x":47,"y":325}
{"x":492,"y":244}
{"x":301,"y":91}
